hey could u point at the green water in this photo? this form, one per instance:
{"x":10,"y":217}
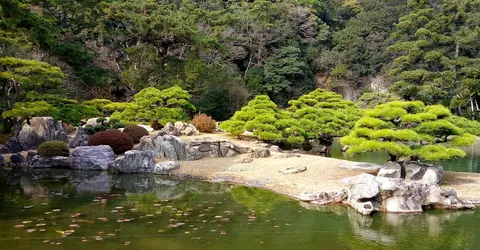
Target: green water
{"x":469,"y":163}
{"x":152,"y":212}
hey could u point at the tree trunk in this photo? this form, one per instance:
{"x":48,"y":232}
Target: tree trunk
{"x":393,"y":157}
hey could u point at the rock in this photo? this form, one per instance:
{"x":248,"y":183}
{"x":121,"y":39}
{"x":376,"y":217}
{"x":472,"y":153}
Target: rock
{"x":157,"y":142}
{"x":262,"y":152}
{"x":179,"y":146}
{"x":17,"y":159}
{"x":169,"y":129}
{"x":4,"y":149}
{"x":323,"y":198}
{"x":275,"y":148}
{"x":391,"y":170}
{"x":135,"y":161}
{"x":80,"y":138}
{"x":423,"y":173}
{"x":363,"y":194}
{"x":189,"y":130}
{"x":2,"y":161}
{"x":179,"y":126}
{"x":147,"y":143}
{"x":293,"y":170}
{"x":92,"y":181}
{"x":50,"y":162}
{"x":240,"y":149}
{"x":446,"y":199}
{"x":168,"y":150}
{"x":147,"y":127}
{"x":317,"y":147}
{"x":14,"y":145}
{"x":193,"y":153}
{"x":93,"y":157}
{"x":93,"y":121}
{"x":166,"y":167}
{"x":39,"y":130}
{"x":30,"y":156}
{"x":399,"y":197}
{"x":361,"y":166}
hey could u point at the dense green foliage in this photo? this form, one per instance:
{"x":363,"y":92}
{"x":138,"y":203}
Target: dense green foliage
{"x":264,"y":119}
{"x":119,"y":141}
{"x":136,"y":132}
{"x":53,"y":148}
{"x":408,"y":130}
{"x":370,"y":100}
{"x":323,"y":115}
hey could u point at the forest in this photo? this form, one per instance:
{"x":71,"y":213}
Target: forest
{"x":66,"y":57}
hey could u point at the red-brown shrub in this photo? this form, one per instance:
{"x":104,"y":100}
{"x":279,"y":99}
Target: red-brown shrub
{"x":120,"y":142}
{"x":136,"y":132}
{"x":204,"y":123}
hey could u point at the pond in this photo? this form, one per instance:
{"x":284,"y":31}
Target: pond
{"x":53,"y":209}
{"x":469,"y":163}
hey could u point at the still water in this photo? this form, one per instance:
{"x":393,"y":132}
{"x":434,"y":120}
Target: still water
{"x":469,"y":163}
{"x":53,"y":209}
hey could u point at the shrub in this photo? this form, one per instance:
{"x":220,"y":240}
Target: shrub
{"x":53,"y":148}
{"x":119,"y":141}
{"x":156,"y":125}
{"x":136,"y":132}
{"x":204,"y":123}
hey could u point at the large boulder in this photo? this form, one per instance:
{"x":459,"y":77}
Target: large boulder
{"x":178,"y":144}
{"x":50,"y":162}
{"x":368,"y":194}
{"x":80,"y":138}
{"x":391,"y":170}
{"x":13,"y":145}
{"x":180,"y":128}
{"x":4,"y":149}
{"x":30,"y":156}
{"x":146,"y":143}
{"x":166,"y":167}
{"x":193,"y":153}
{"x":40,"y":130}
{"x":423,"y":173}
{"x":93,"y":157}
{"x":170,"y":129}
{"x":135,"y":161}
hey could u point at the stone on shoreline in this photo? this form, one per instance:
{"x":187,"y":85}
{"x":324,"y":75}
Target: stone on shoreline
{"x":50,"y":162}
{"x":391,"y":170}
{"x":80,"y":138}
{"x":134,"y":161}
{"x":13,"y":145}
{"x":93,"y":157}
{"x":166,"y":167}
{"x":40,"y":130}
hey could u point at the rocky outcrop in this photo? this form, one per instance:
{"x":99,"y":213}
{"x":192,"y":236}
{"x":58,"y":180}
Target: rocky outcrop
{"x":50,"y":162}
{"x":324,"y":198}
{"x":413,"y":171}
{"x":80,"y":139}
{"x":208,"y":147}
{"x":93,"y":157}
{"x":180,"y":128}
{"x":391,"y":170}
{"x":368,"y":194}
{"x":13,"y":145}
{"x":135,"y":161}
{"x":261,"y":152}
{"x":39,"y":130}
{"x":166,"y":167}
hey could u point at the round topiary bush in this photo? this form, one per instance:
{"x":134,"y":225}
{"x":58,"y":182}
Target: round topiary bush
{"x":53,"y":148}
{"x":136,"y":132}
{"x":204,"y":123}
{"x":120,"y":142}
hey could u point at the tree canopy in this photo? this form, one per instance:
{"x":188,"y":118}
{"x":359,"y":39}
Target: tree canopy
{"x":408,"y":130}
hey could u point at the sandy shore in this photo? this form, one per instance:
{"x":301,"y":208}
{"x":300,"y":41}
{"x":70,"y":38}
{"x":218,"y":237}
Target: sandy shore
{"x":322,"y":174}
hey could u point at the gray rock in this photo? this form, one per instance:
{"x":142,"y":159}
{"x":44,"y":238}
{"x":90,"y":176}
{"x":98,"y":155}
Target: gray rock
{"x":247,"y":159}
{"x":293,"y":170}
{"x":240,"y":149}
{"x":166,"y":167}
{"x":17,"y":159}
{"x":92,"y":181}
{"x":93,"y":157}
{"x":189,"y":130}
{"x":391,"y":170}
{"x":93,"y":121}
{"x":317,"y":147}
{"x":147,"y":144}
{"x":169,"y":150}
{"x":262,"y":152}
{"x":170,"y":129}
{"x":363,"y":194}
{"x":40,"y":130}
{"x":135,"y":161}
{"x":30,"y":156}
{"x":423,"y":173}
{"x":157,"y":141}
{"x":4,"y":149}
{"x":324,"y":198}
{"x":179,"y":146}
{"x":400,"y":197}
{"x":275,"y":148}
{"x":50,"y":162}
{"x":179,"y":125}
{"x":80,"y":138}
{"x":2,"y":161}
{"x":366,"y":166}
{"x":193,"y":153}
{"x":13,"y":145}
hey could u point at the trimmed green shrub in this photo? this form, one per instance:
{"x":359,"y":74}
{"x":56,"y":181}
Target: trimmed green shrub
{"x":372,"y":99}
{"x":204,"y":123}
{"x":470,"y":126}
{"x":408,"y":130}
{"x":264,"y":119}
{"x":119,"y":141}
{"x":53,"y":148}
{"x":136,"y":132}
